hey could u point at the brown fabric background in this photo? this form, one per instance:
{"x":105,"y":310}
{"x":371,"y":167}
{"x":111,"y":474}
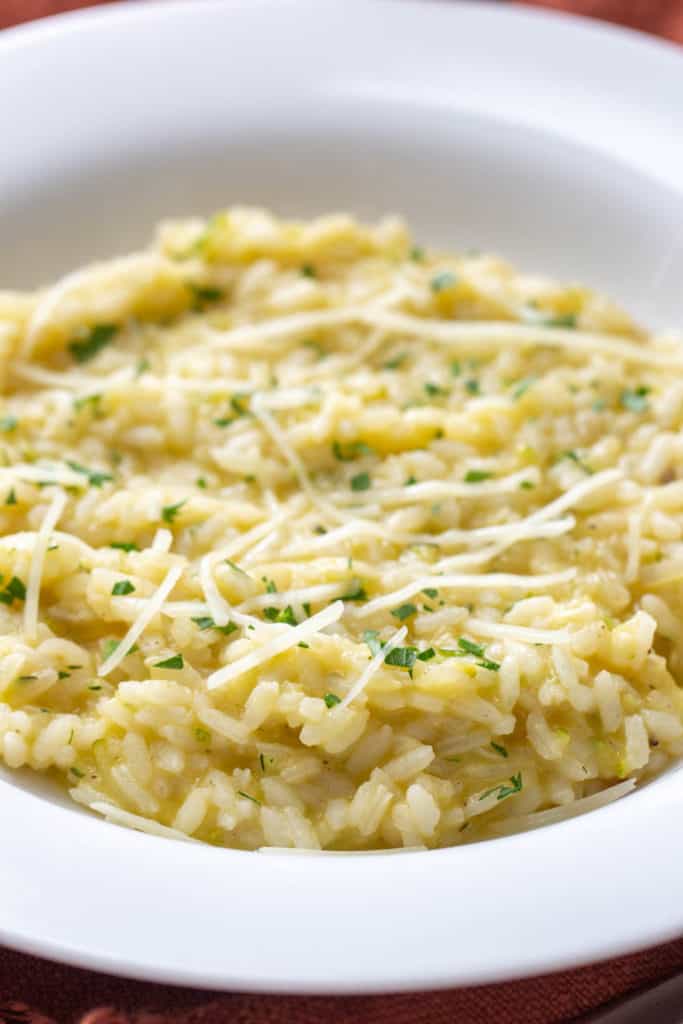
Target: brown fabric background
{"x":40,"y":992}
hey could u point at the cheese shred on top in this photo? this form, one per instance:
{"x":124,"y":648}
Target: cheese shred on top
{"x":361,"y":546}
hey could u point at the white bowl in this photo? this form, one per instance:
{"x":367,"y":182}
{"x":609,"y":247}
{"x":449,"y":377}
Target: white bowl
{"x":558,"y":143}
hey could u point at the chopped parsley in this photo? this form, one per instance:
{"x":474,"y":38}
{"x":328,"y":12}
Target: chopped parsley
{"x":522,"y":387}
{"x":123,"y":545}
{"x":331,"y":699}
{"x":202,"y":735}
{"x":92,"y":401}
{"x":527,"y":485}
{"x":456,"y":369}
{"x":15,"y":590}
{"x":95,"y":477}
{"x":371,"y":638}
{"x":356,"y":592}
{"x":492,"y":666}
{"x":142,"y":366}
{"x":401,"y":657}
{"x":201,"y":482}
{"x":475,"y":476}
{"x":404,"y":611}
{"x":435,"y":391}
{"x":109,"y":646}
{"x":395,"y":362}
{"x":8,"y":424}
{"x":247,"y":797}
{"x":206,"y":622}
{"x":427,"y":655}
{"x":203,"y":294}
{"x":76,"y":771}
{"x":308,"y":270}
{"x":503,"y":790}
{"x":574,"y":457}
{"x":11,"y":498}
{"x":472,"y":386}
{"x":562,"y":320}
{"x":175,"y":661}
{"x":417,"y":254}
{"x":431,"y":592}
{"x":635,"y":399}
{"x":281,"y":615}
{"x":410,"y":481}
{"x":499,"y":749}
{"x":440,"y":282}
{"x":361,"y":482}
{"x":469,"y":647}
{"x":350,"y":451}
{"x":262,"y":762}
{"x":122,"y":587}
{"x":63,"y":675}
{"x":169,"y":512}
{"x":97,"y":338}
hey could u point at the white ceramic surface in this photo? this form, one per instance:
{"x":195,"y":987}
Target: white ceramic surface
{"x":556,"y":142}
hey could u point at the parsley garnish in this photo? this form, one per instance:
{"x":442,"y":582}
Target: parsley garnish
{"x":76,"y":771}
{"x":577,"y":459}
{"x":472,"y":386}
{"x":206,"y":622}
{"x":308,"y":270}
{"x":122,"y":545}
{"x":281,"y":615}
{"x":434,"y":391}
{"x":402,"y":657}
{"x":169,"y":512}
{"x":350,"y":451}
{"x":247,"y":797}
{"x":475,"y":476}
{"x":431,"y":592}
{"x":469,"y":647}
{"x":395,"y":362}
{"x":527,"y":485}
{"x":522,"y":387}
{"x":89,"y":400}
{"x":8,"y":424}
{"x":356,"y":593}
{"x":99,"y":336}
{"x":562,"y":320}
{"x":410,"y":481}
{"x":417,"y":254}
{"x":455,"y":368}
{"x":503,"y":790}
{"x":331,"y":699}
{"x":635,"y":400}
{"x":11,"y":498}
{"x":202,"y":735}
{"x":63,"y":675}
{"x":122,"y":587}
{"x":499,"y":749}
{"x":202,"y":294}
{"x":427,"y":655}
{"x":175,"y":661}
{"x":404,"y":611}
{"x":371,"y":638}
{"x":201,"y":482}
{"x":95,"y":477}
{"x":15,"y":590}
{"x":109,"y":646}
{"x":360,"y":482}
{"x":440,"y":282}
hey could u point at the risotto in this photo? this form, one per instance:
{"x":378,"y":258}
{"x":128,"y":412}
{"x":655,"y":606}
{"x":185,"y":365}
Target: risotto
{"x":312,"y":538}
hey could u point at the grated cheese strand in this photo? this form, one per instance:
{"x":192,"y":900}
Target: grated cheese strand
{"x":35,"y":576}
{"x":152,"y":608}
{"x":293,"y":635}
{"x":493,"y":581}
{"x":374,"y":666}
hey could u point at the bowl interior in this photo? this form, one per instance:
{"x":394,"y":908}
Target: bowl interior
{"x":462,"y":180}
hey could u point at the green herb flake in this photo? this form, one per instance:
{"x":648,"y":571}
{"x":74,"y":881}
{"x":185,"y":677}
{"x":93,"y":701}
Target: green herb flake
{"x":635,"y":400}
{"x":410,"y":482}
{"x":350,"y":451}
{"x":98,"y":337}
{"x":499,"y":749}
{"x":435,"y":391}
{"x":404,"y":611}
{"x":201,"y":482}
{"x":235,"y":567}
{"x":123,"y":545}
{"x":574,"y":457}
{"x":142,"y":366}
{"x":203,"y":294}
{"x":402,"y":657}
{"x":427,"y":655}
{"x":395,"y":362}
{"x":562,"y":320}
{"x":361,"y":482}
{"x":89,"y":401}
{"x":469,"y":647}
{"x":492,"y":666}
{"x":456,"y":368}
{"x":503,"y":790}
{"x":431,"y":592}
{"x":476,"y":476}
{"x":527,"y":485}
{"x":169,"y":512}
{"x":262,"y":762}
{"x":77,"y":772}
{"x":202,"y":735}
{"x":15,"y":590}
{"x":441,"y":282}
{"x":371,"y":638}
{"x":356,"y":592}
{"x":95,"y":477}
{"x":175,"y":661}
{"x":522,"y":387}
{"x":308,"y":270}
{"x":11,"y":498}
{"x":417,"y":254}
{"x":247,"y":797}
{"x":331,"y":700}
{"x":63,"y":675}
{"x":122,"y":587}
{"x":8,"y":424}
{"x":95,"y":686}
{"x":206,"y":622}
{"x":285,"y":615}
{"x":472,"y":386}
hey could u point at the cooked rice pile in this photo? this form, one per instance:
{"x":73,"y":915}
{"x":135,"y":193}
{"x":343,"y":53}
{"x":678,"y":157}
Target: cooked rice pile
{"x":312,"y":539}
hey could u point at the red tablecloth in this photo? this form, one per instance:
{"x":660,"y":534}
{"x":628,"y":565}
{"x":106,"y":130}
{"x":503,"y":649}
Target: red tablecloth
{"x":70,"y":996}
